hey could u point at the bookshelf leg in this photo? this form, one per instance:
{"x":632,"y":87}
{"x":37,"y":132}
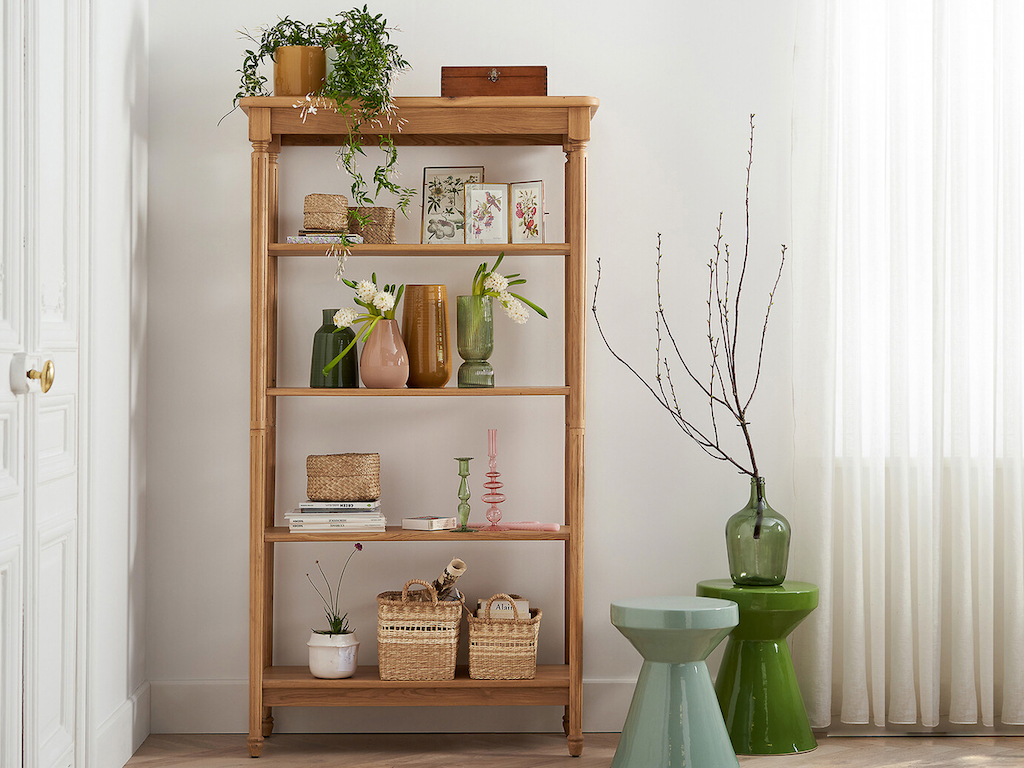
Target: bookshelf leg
{"x":576,"y":745}
{"x":268,"y":722}
{"x":255,"y":744}
{"x":565,"y":721}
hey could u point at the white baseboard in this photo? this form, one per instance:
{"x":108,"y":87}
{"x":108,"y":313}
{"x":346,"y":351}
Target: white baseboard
{"x":123,"y":732}
{"x":220,"y":706}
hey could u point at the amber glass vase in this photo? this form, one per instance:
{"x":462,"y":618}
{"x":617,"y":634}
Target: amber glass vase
{"x":299,"y":70}
{"x":425,"y":333}
{"x":758,"y":546}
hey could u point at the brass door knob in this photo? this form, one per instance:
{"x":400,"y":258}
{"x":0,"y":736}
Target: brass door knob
{"x":45,"y":376}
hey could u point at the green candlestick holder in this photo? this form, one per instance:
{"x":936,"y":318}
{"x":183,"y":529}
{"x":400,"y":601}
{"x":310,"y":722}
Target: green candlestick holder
{"x":464,"y":495}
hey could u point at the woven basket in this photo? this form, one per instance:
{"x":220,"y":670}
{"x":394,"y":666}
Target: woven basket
{"x":325,"y":212}
{"x":417,"y":636}
{"x":379,"y":229}
{"x":343,"y":477}
{"x":503,"y":649}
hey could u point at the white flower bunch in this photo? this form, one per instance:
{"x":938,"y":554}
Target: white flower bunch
{"x":384,"y":301}
{"x":343,"y":318}
{"x":488,"y":282}
{"x":377,"y":304}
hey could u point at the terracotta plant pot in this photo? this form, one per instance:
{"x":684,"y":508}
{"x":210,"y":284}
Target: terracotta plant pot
{"x":425,"y":333}
{"x":299,"y":70}
{"x":384,"y":363}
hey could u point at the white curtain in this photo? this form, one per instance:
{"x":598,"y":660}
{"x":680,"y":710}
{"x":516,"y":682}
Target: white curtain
{"x":908,"y":347}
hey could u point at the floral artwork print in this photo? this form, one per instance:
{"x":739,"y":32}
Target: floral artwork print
{"x":527,"y":212}
{"x":443,"y":203}
{"x":486,"y":213}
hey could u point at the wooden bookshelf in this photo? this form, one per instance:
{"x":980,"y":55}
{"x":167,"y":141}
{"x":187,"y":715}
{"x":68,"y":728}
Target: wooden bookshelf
{"x":561,"y":121}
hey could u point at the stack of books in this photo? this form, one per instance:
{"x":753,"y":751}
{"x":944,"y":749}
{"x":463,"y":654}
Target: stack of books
{"x":348,"y":516}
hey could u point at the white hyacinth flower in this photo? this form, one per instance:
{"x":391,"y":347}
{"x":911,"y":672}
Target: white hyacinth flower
{"x":343,"y":318}
{"x":384,"y":301}
{"x":366,"y":291}
{"x":517,"y":311}
{"x":505,"y":298}
{"x":496,"y":283}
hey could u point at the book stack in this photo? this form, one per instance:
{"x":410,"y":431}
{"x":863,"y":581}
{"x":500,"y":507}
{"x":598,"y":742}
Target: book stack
{"x":324,"y":236}
{"x":348,"y":516}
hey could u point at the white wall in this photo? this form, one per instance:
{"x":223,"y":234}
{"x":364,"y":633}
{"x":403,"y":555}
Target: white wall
{"x":118,"y":697}
{"x":677,"y":81}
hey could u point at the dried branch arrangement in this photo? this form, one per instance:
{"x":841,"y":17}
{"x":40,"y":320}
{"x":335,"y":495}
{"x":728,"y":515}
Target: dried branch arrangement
{"x":720,"y":384}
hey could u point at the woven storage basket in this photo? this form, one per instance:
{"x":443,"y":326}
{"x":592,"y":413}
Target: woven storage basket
{"x":343,"y":477}
{"x":503,"y":649}
{"x":327,"y":212}
{"x":417,"y":636}
{"x":379,"y":229}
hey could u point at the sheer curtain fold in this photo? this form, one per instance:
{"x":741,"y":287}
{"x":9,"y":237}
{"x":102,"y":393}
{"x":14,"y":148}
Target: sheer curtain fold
{"x":908,"y":377}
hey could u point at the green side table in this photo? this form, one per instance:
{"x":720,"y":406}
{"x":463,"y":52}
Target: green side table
{"x":674,"y":719}
{"x":756,"y":683}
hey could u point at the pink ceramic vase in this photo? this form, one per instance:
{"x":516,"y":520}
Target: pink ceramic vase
{"x":384,"y":363}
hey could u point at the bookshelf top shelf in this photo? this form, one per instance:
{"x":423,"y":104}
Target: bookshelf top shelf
{"x":419,"y":250}
{"x":431,"y":120}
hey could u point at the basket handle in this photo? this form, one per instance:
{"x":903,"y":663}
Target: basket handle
{"x":502,"y":596}
{"x":430,"y":588}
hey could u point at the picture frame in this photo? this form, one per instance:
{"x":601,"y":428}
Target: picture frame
{"x":526,"y":211}
{"x":443,"y":220}
{"x":486,"y":213}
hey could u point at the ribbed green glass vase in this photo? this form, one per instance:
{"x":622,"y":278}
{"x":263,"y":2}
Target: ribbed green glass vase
{"x":758,"y":549}
{"x":475,"y":335}
{"x":327,"y":345}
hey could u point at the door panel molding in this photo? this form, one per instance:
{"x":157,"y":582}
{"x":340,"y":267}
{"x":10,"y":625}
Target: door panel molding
{"x":10,"y":656}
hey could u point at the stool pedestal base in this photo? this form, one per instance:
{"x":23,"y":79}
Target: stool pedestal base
{"x":674,"y":720}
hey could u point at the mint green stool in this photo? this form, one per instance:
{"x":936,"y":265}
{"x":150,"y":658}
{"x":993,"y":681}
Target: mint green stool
{"x":674,"y":719}
{"x":756,"y":683}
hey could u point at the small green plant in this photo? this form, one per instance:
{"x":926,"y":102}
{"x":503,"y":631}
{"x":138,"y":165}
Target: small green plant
{"x":377,"y":303}
{"x":357,"y":86}
{"x":338,"y":624}
{"x":487,"y":282}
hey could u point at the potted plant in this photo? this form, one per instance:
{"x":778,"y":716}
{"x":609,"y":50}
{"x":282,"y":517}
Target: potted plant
{"x":757,"y":537}
{"x":475,"y":320}
{"x":357,"y":85}
{"x":333,"y":651}
{"x":300,"y":64}
{"x":384,"y":363}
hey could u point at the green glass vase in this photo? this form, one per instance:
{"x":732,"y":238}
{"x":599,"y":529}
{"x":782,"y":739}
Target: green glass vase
{"x":475,"y":335}
{"x":327,"y":345}
{"x":757,"y":545}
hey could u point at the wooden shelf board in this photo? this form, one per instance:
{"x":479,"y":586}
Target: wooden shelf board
{"x":424,"y":392}
{"x":296,"y":687}
{"x":420,"y":250}
{"x":396,"y":533}
{"x":445,"y":102}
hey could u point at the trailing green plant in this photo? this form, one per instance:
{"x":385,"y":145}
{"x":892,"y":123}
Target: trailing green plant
{"x":357,"y":86}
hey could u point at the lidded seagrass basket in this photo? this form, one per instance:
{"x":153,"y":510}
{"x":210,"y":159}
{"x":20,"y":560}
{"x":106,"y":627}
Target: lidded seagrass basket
{"x":417,"y":635}
{"x":343,"y":477}
{"x":503,"y":649}
{"x":380,"y":228}
{"x":325,"y":212}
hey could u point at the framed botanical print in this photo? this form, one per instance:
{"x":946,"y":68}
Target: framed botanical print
{"x":486,"y":213}
{"x":526,"y":211}
{"x":444,"y":205}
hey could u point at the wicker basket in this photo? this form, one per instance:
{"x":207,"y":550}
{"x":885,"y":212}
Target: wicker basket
{"x":417,"y":636}
{"x":343,"y":477}
{"x":379,"y":229}
{"x":503,"y":649}
{"x":325,"y":212}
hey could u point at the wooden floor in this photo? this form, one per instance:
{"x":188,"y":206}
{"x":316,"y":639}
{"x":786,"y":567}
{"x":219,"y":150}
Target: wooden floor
{"x":544,"y":750}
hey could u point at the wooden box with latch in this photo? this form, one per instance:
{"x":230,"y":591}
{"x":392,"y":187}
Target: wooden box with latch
{"x":494,"y":81}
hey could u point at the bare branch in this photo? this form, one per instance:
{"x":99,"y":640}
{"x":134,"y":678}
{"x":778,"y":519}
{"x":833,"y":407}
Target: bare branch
{"x":746,"y":243}
{"x":764,"y":330}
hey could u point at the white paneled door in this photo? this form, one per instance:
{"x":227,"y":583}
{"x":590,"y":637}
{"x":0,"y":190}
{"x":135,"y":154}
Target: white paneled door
{"x":42,"y":221}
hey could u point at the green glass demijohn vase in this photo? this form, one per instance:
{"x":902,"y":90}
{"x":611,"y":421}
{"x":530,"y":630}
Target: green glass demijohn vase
{"x":757,"y":544}
{"x":328,"y":342}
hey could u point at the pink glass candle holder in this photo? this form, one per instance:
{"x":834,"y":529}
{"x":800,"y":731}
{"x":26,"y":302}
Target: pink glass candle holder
{"x":493,"y":485}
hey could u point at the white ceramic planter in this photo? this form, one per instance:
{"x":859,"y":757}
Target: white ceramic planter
{"x":333,"y":656}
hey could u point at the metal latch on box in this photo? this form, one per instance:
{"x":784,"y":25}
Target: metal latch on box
{"x":493,"y":75}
